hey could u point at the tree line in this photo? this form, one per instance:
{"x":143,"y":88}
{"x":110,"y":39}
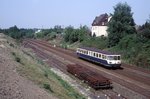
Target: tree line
{"x":17,"y":33}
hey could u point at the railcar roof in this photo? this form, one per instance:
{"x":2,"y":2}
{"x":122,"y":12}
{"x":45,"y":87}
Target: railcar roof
{"x":98,"y":50}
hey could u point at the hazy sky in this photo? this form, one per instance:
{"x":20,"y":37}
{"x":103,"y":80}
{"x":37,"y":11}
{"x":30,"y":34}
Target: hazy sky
{"x":48,"y":13}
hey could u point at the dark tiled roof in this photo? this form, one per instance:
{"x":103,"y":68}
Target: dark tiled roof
{"x":101,"y":20}
{"x":99,"y":51}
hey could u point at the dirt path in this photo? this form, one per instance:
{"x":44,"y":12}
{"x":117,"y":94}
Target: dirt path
{"x":12,"y":85}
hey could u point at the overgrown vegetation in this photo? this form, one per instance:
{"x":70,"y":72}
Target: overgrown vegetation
{"x":17,"y":59}
{"x":17,"y":33}
{"x":40,"y":74}
{"x":96,"y":42}
{"x":122,"y":37}
{"x":73,"y":35}
{"x":135,"y":48}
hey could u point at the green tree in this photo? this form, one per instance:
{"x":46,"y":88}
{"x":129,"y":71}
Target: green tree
{"x":121,"y":24}
{"x":58,"y":29}
{"x":1,"y":31}
{"x":39,"y":35}
{"x":144,"y":32}
{"x":74,"y":36}
{"x":52,"y":35}
{"x":83,"y":33}
{"x":68,"y":30}
{"x":14,"y":32}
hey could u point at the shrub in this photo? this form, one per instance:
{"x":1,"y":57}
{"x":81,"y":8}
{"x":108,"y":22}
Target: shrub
{"x":18,"y":59}
{"x":46,"y":74}
{"x":12,"y":45}
{"x":13,"y":53}
{"x":47,"y":87}
{"x":97,"y":42}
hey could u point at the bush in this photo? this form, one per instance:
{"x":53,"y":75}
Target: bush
{"x":134,"y":51}
{"x":12,"y":45}
{"x":51,"y":35}
{"x":18,"y":59}
{"x":46,"y":74}
{"x":96,"y":42}
{"x":13,"y":53}
{"x":47,"y":87}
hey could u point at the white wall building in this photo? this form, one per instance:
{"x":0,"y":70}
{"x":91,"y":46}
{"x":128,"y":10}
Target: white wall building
{"x":99,"y":25}
{"x":99,"y":30}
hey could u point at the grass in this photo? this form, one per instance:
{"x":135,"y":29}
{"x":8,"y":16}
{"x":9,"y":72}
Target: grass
{"x":36,"y":71}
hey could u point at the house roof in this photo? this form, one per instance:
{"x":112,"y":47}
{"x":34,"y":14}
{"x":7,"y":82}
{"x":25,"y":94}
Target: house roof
{"x":101,"y":20}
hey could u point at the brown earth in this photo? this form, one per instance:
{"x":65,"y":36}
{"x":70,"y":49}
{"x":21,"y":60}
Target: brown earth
{"x":12,"y":85}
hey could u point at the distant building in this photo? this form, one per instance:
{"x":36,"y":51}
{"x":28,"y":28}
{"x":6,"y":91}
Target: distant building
{"x":37,"y":31}
{"x":99,"y":25}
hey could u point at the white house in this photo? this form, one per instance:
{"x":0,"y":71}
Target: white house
{"x":99,"y":25}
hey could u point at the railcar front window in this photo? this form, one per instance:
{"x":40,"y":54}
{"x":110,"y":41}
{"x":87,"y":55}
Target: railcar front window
{"x":115,"y":57}
{"x":118,"y":57}
{"x":110,"y":57}
{"x":103,"y":56}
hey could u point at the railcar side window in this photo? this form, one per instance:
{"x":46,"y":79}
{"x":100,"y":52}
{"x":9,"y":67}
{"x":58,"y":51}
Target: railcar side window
{"x":78,"y":50}
{"x":103,"y":56}
{"x":96,"y":54}
{"x":87,"y":52}
{"x":90,"y":53}
{"x":99,"y":55}
{"x":84,"y":52}
{"x":93,"y":54}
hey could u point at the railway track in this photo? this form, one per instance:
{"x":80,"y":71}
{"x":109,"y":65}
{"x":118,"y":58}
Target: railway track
{"x":125,"y":66}
{"x":138,"y":71}
{"x":55,"y":62}
{"x":130,"y":73}
{"x":136,"y":78}
{"x":137,"y":74}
